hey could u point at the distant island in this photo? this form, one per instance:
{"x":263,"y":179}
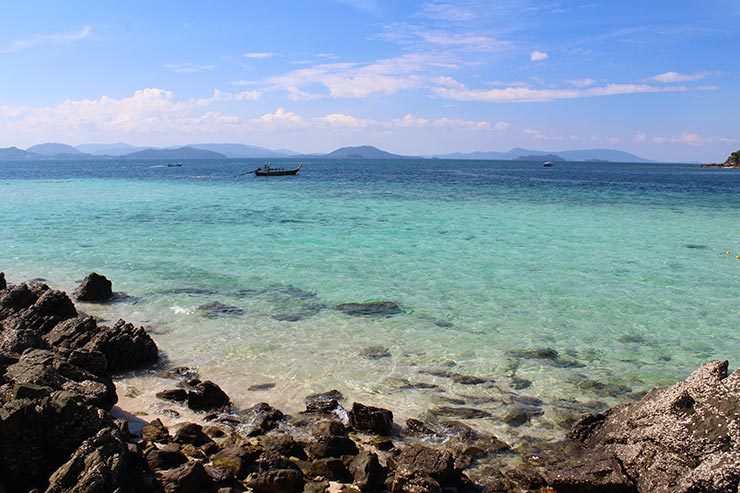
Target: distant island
{"x":121,"y":150}
{"x":732,"y":162}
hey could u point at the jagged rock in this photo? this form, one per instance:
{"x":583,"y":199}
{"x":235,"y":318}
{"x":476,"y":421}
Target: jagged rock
{"x":15,"y":299}
{"x":330,"y":469}
{"x":366,"y":470}
{"x":324,"y":402}
{"x":125,"y":347}
{"x":682,"y":439}
{"x":416,"y":427}
{"x":371,"y":309}
{"x":100,"y":464}
{"x":155,"y":432}
{"x":418,"y":459}
{"x":285,"y":445}
{"x":275,"y":474}
{"x":94,"y":288}
{"x":192,"y":433}
{"x":3,"y":284}
{"x":236,"y":459}
{"x":58,"y":371}
{"x":331,"y":441}
{"x":159,"y":459}
{"x":414,"y":482}
{"x":178,"y":395}
{"x":262,"y":418}
{"x":206,"y":396}
{"x":38,"y":435}
{"x":16,"y":336}
{"x":371,"y":419}
{"x":188,"y":478}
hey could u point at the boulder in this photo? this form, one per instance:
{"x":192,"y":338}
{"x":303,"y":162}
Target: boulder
{"x":331,"y":440}
{"x":371,"y":419}
{"x":371,"y":309}
{"x":94,"y":288}
{"x":38,"y":435}
{"x":262,"y":418}
{"x":683,"y":439}
{"x":15,"y":299}
{"x":425,"y":461}
{"x":192,"y":433}
{"x":324,"y":402}
{"x":101,"y":463}
{"x":3,"y":284}
{"x":275,"y":474}
{"x":367,"y":472}
{"x":236,"y":459}
{"x":190,"y":477}
{"x":125,"y":347}
{"x":61,"y":371}
{"x":16,"y":336}
{"x":206,"y":396}
{"x":155,"y":432}
{"x":414,"y":482}
{"x":177,"y":395}
{"x":161,"y":459}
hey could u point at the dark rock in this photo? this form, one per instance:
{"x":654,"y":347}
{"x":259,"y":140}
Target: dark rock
{"x":3,"y":284}
{"x":236,"y":459}
{"x":375,"y":352}
{"x":192,"y":433}
{"x":125,"y":347}
{"x":101,"y":463}
{"x":260,"y":387}
{"x":56,"y":371}
{"x":366,"y":471}
{"x":217,"y":309}
{"x":284,"y":445}
{"x":371,"y":419}
{"x":155,"y":432}
{"x":188,"y":478}
{"x":331,"y":441}
{"x":324,"y":402}
{"x":39,"y":435}
{"x":418,"y":459}
{"x":460,"y":412}
{"x":416,"y":427}
{"x":15,"y":299}
{"x":520,"y":415}
{"x":262,"y":418}
{"x":330,"y":469}
{"x":159,"y":459}
{"x":413,"y":482}
{"x":520,"y":383}
{"x":16,"y":336}
{"x":206,"y":396}
{"x":276,"y":481}
{"x":178,"y":395}
{"x":179,"y":372}
{"x":94,"y":289}
{"x":596,"y":475}
{"x":537,"y":353}
{"x":371,"y":309}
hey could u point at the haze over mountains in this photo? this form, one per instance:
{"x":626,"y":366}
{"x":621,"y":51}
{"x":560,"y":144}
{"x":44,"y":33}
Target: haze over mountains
{"x":228,"y":150}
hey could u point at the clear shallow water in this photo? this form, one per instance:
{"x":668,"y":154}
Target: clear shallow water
{"x":619,"y":267}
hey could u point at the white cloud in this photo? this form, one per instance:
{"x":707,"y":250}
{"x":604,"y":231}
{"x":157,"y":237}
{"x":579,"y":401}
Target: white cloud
{"x":418,"y":37}
{"x":581,"y":83}
{"x":538,"y":56}
{"x":444,"y":11}
{"x":55,"y":38}
{"x":186,"y":68}
{"x":693,"y":139}
{"x":640,"y":137}
{"x":259,"y":55}
{"x":673,"y":77}
{"x":539,"y":135}
{"x":410,"y":121}
{"x":342,"y":120}
{"x":450,"y":89}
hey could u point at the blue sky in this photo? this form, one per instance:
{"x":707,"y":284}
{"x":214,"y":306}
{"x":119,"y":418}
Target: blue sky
{"x":657,"y":78}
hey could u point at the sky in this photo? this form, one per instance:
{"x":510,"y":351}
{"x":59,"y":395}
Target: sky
{"x":659,"y":78}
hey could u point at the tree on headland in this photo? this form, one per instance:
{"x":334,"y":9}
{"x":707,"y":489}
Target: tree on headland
{"x":734,"y":158}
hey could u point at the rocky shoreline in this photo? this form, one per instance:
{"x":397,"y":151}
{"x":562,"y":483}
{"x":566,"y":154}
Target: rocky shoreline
{"x":732,"y":162}
{"x":59,"y":432}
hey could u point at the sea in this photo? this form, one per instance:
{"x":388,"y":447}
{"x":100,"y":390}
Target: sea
{"x":558,"y":290}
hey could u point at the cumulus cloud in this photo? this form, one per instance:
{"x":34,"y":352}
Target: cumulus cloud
{"x":673,"y":77}
{"x":54,"y":38}
{"x":538,"y":56}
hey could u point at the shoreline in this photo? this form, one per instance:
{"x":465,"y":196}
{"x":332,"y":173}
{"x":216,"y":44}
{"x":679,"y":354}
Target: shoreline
{"x":331,"y":444}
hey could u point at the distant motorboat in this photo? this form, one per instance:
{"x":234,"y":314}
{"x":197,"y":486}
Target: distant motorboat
{"x":266,"y":170}
{"x":174,"y":165}
{"x":548,"y":164}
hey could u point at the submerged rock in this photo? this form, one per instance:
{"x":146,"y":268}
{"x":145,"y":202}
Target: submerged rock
{"x":324,"y":402}
{"x":460,"y":412}
{"x":371,"y":309}
{"x":95,"y":288}
{"x":262,"y":418}
{"x":371,"y":419}
{"x":216,"y":309}
{"x":375,"y":352}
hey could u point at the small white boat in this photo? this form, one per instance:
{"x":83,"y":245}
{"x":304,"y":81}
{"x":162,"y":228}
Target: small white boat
{"x":548,"y":164}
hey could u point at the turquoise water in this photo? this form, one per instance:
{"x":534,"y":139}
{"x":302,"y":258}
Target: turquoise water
{"x":621,"y":268}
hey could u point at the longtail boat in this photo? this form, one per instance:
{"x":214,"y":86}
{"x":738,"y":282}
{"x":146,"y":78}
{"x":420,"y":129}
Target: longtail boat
{"x":266,"y":170}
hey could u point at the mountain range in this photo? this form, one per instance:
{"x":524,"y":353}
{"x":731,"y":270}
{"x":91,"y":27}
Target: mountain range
{"x":225,"y":150}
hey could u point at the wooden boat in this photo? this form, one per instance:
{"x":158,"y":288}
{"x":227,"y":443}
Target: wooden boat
{"x":267,"y":171}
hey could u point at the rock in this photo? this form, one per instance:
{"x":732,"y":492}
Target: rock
{"x":416,"y":427}
{"x":16,"y":337}
{"x":260,"y":387}
{"x":101,"y":463}
{"x":331,"y":441}
{"x":371,"y":419}
{"x":160,"y":459}
{"x":155,"y":432}
{"x":236,"y":459}
{"x":324,"y":402}
{"x":367,"y":472}
{"x":330,"y":469}
{"x":94,"y":288}
{"x":180,"y":372}
{"x":460,"y":412}
{"x":262,"y":418}
{"x":177,"y":395}
{"x":375,"y":352}
{"x":206,"y":396}
{"x":15,"y":299}
{"x":276,"y":481}
{"x":683,"y":439}
{"x":426,"y":461}
{"x":38,"y":435}
{"x":371,"y":309}
{"x":125,"y":347}
{"x":188,"y":478}
{"x":3,"y":284}
{"x":192,"y":433}
{"x":520,"y":415}
{"x":217,"y":309}
{"x":537,"y":353}
{"x":412,"y":482}
{"x":284,"y":445}
{"x":58,"y":371}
